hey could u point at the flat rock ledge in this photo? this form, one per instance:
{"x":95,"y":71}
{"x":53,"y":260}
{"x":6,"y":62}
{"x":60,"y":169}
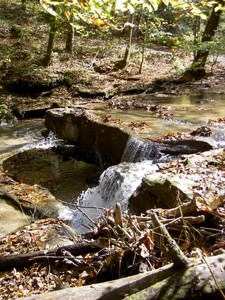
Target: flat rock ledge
{"x":81,"y":126}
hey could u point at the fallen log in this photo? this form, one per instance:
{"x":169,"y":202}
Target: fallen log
{"x":202,"y":279}
{"x":26,"y":259}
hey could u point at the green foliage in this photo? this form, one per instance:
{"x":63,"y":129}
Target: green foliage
{"x":89,"y":15}
{"x":84,"y":10}
{"x":167,"y":22}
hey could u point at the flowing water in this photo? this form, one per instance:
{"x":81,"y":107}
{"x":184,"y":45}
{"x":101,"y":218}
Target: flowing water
{"x":23,"y":135}
{"x":117,"y":183}
{"x":177,"y":113}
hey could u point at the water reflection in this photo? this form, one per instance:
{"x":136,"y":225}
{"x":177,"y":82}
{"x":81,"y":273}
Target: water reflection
{"x":180,"y":113}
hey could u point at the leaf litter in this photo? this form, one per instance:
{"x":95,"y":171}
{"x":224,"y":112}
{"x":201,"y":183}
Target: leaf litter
{"x":124,"y":244}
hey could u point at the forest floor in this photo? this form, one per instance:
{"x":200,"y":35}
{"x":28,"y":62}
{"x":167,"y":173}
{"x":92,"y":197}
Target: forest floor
{"x":88,"y":73}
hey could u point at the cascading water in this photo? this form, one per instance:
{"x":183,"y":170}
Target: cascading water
{"x":116,"y":184}
{"x":137,"y":150}
{"x":25,"y":135}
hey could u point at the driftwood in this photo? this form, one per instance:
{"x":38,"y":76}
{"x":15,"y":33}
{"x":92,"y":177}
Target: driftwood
{"x":202,"y":279}
{"x":26,"y":259}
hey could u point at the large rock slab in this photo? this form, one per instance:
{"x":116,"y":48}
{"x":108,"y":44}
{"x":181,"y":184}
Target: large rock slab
{"x":79,"y":125}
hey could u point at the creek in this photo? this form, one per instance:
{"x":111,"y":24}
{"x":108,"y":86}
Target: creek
{"x":72,"y":178}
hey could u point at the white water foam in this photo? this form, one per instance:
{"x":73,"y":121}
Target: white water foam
{"x":45,"y":143}
{"x":116,"y":184}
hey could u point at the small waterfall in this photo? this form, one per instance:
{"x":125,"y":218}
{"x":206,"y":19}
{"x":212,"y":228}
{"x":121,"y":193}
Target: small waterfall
{"x":137,"y":150}
{"x":116,"y":184}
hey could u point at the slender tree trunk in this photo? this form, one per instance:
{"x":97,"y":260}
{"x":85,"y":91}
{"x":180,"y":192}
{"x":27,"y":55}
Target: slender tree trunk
{"x":126,"y":57}
{"x":70,"y":36}
{"x":142,"y":55}
{"x":23,"y":2}
{"x":122,"y":64}
{"x":197,"y":69}
{"x":53,"y":28}
{"x":196,"y":30}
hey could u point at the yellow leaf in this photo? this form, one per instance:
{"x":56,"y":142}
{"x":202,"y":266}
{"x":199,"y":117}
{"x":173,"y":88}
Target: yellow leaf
{"x":84,"y":4}
{"x":100,"y":23}
{"x":67,"y":13}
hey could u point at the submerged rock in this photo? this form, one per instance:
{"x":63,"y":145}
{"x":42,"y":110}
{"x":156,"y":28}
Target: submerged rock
{"x":63,"y":175}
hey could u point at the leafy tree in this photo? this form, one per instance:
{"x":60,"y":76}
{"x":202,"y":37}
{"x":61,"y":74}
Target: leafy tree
{"x":102,"y":13}
{"x":86,"y":12}
{"x":197,"y":69}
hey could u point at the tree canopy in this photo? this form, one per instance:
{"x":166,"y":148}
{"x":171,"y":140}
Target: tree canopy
{"x":80,"y":14}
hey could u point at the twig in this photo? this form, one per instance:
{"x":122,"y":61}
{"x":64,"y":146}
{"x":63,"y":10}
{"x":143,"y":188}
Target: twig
{"x":87,"y":216}
{"x":181,"y":220}
{"x":168,"y":245}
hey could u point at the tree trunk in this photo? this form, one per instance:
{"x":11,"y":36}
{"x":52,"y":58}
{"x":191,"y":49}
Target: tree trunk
{"x":53,"y":28}
{"x":70,"y":36}
{"x":142,"y":56}
{"x":196,"y":31}
{"x":122,"y":64}
{"x":197,"y":69}
{"x":23,"y":2}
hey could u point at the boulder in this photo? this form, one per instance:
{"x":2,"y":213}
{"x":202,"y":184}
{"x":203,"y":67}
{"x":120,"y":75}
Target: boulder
{"x":179,"y":181}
